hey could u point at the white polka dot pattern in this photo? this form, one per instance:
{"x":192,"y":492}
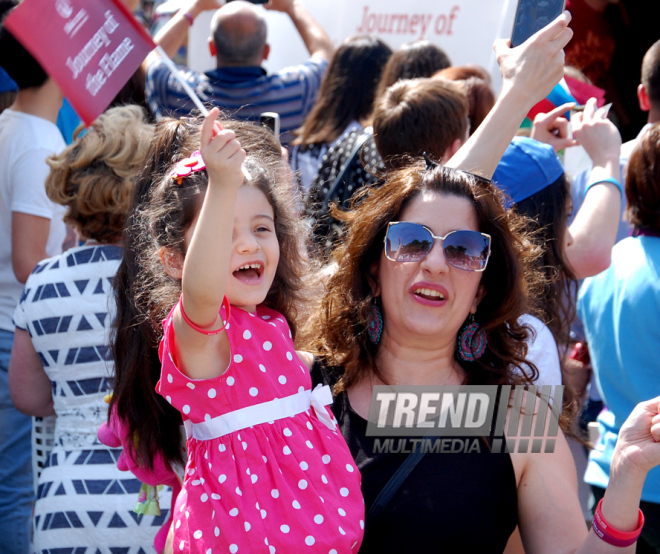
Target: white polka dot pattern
{"x":274,"y":484}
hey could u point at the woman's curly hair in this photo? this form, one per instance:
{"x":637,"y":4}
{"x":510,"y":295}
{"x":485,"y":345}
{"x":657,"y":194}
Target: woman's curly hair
{"x":94,"y":177}
{"x":338,"y":331}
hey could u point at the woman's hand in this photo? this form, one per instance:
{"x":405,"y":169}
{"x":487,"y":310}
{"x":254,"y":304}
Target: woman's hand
{"x":531,"y":70}
{"x":221,"y":153}
{"x":638,"y":446}
{"x":597,"y":134}
{"x":552,"y":128}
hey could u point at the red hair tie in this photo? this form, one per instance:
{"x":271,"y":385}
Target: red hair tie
{"x":225,"y":303}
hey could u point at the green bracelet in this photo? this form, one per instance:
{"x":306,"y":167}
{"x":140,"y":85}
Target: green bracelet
{"x":604,"y":180}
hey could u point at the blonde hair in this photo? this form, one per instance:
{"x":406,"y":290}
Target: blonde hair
{"x":95,"y":175}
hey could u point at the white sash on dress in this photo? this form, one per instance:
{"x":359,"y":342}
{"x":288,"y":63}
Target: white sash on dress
{"x":279,"y":408}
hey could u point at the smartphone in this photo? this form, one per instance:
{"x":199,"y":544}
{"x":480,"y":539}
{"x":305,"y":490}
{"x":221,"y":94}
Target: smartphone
{"x":532,"y":16}
{"x":271,"y":120}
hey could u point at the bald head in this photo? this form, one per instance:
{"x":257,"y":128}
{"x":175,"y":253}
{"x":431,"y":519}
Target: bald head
{"x":239,"y":34}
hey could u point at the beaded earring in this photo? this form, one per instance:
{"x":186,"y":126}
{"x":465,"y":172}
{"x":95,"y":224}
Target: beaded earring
{"x":472,"y":341}
{"x":374,"y":323}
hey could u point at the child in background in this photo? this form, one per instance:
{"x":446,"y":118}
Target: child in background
{"x":267,"y":470}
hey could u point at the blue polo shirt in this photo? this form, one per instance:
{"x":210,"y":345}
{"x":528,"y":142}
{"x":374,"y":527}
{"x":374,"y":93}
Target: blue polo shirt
{"x":242,"y":92}
{"x":620,"y":309}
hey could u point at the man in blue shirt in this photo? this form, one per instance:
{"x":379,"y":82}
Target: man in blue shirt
{"x":239,"y":85}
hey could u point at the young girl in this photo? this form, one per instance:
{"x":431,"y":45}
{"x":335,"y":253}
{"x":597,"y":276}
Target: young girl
{"x":267,"y":469}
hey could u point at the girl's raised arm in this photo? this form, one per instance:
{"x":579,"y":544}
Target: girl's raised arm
{"x":206,"y":264}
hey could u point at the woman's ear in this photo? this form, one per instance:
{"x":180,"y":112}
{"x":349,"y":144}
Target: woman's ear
{"x":172,"y":262}
{"x":481,"y":292}
{"x":372,"y":278}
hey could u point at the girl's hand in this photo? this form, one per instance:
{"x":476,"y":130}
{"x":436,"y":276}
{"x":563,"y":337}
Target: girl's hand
{"x":597,"y":134}
{"x":638,"y":446}
{"x":221,"y":153}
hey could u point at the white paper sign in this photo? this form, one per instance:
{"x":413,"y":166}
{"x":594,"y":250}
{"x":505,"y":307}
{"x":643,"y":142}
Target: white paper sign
{"x":464,"y":29}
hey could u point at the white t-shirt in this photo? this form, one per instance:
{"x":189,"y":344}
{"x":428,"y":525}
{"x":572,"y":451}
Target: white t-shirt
{"x":542,"y":351}
{"x":25,"y":143}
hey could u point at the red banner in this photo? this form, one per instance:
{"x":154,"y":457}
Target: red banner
{"x":91,"y":49}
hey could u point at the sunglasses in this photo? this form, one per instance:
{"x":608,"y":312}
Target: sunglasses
{"x":411,"y":242}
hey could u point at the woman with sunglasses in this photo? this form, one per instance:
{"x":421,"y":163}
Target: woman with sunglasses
{"x":432,"y":279}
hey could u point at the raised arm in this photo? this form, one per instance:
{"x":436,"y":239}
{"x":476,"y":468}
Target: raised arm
{"x":529,"y":73}
{"x":595,"y":225}
{"x":550,"y":517}
{"x":206,"y":266}
{"x":174,"y":32}
{"x":316,"y":40}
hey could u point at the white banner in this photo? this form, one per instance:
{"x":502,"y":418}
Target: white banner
{"x":465,"y":29}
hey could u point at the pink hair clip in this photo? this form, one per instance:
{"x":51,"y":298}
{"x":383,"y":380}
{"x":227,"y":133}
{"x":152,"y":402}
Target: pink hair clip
{"x":187,"y":166}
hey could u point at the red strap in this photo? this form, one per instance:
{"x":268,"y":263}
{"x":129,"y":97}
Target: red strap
{"x":225,"y":303}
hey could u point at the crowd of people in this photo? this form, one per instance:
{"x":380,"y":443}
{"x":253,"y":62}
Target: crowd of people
{"x":206,"y":308}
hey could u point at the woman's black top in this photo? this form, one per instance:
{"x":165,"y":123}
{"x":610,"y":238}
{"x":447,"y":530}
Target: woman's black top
{"x":450,"y":502}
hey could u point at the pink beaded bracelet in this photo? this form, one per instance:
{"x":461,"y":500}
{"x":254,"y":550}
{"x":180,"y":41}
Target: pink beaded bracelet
{"x":225,"y":303}
{"x":613,"y":536}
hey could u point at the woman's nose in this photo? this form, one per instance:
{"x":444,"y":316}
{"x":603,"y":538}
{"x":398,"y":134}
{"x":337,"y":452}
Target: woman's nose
{"x":435,"y":261}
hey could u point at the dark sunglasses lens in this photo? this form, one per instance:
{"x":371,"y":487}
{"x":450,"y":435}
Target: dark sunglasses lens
{"x":407,"y":242}
{"x":467,"y":250}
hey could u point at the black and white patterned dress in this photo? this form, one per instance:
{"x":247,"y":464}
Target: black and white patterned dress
{"x":84,"y":504}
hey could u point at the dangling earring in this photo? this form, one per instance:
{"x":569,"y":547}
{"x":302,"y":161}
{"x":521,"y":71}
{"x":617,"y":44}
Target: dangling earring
{"x":374,"y":323}
{"x":472,"y":341}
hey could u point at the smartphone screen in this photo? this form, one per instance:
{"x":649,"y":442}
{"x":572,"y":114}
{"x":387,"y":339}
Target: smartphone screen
{"x":271,"y":120}
{"x":532,"y":16}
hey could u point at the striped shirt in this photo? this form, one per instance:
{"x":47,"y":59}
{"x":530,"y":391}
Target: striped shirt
{"x":241,"y":92}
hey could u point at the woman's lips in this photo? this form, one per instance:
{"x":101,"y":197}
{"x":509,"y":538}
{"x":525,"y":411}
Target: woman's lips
{"x":429,"y":294}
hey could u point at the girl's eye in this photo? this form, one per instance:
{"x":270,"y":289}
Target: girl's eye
{"x":263,"y":229}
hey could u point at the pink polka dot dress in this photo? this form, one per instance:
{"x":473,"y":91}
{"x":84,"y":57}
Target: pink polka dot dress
{"x":258,"y":480}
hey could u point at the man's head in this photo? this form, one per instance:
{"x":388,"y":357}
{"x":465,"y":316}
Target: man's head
{"x":648,"y":91}
{"x":239,"y":35}
{"x":16,"y":60}
{"x":420,"y":115}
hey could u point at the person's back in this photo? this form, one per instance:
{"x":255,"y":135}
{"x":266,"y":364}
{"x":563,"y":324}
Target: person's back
{"x":31,"y":229}
{"x":64,"y":316}
{"x":620,"y":309}
{"x":239,"y":85}
{"x":344,"y":104}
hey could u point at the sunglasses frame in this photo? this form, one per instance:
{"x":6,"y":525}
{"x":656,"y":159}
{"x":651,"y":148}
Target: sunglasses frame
{"x":435,"y":237}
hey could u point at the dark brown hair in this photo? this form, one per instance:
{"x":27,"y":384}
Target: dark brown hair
{"x":348,"y":90}
{"x":94,"y":177}
{"x":547,"y":223}
{"x":162,"y":212}
{"x":340,"y":328}
{"x":413,"y":61}
{"x":417,"y":116}
{"x":477,"y":87}
{"x":643,"y":182}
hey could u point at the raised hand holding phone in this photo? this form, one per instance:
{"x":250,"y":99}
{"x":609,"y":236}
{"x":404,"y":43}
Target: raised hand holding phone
{"x":532,"y":16}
